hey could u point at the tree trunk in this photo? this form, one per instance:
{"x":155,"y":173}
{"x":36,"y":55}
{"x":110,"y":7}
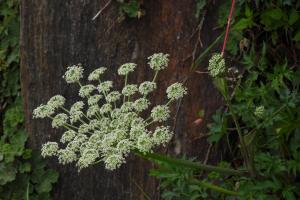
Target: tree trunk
{"x":56,"y":34}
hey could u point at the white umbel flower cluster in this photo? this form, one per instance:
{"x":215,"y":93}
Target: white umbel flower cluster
{"x":216,"y":65}
{"x":59,"y":120}
{"x":73,"y":74}
{"x":176,"y":91}
{"x":96,"y":74}
{"x":147,"y":87}
{"x":126,"y":69}
{"x":49,"y":149}
{"x":129,"y":90}
{"x":76,"y":112}
{"x":158,"y":61}
{"x":109,"y":124}
{"x":86,"y":90}
{"x":160,"y":113}
{"x":105,"y":87}
{"x":43,"y":111}
{"x":56,"y":101}
{"x":259,"y":112}
{"x":94,"y":99}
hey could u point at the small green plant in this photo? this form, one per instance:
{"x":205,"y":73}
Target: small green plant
{"x":181,"y":181}
{"x":112,"y":126}
{"x":23,"y":174}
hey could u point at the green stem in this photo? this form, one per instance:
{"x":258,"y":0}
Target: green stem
{"x":190,"y":164}
{"x":141,"y":189}
{"x":126,"y":77}
{"x":151,"y":122}
{"x":66,"y":125}
{"x":213,"y":187}
{"x":205,"y":52}
{"x":86,"y":116}
{"x":170,"y":101}
{"x":70,"y":126}
{"x":27,"y":191}
{"x":149,"y":118}
{"x":244,"y":149}
{"x":63,"y":108}
{"x":104,"y":93}
{"x":155,"y":76}
{"x":98,"y":115}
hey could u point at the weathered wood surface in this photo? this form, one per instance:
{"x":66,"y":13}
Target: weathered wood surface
{"x":55,"y":34}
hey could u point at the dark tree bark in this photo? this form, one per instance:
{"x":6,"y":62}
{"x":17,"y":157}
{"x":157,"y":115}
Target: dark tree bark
{"x":56,"y":34}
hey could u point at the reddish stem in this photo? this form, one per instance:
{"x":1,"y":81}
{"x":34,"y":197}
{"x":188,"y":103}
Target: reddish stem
{"x":228,"y":26}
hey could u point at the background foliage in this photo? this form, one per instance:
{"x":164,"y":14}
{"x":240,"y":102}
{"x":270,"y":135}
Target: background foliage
{"x":263,"y":54}
{"x":23,"y":175}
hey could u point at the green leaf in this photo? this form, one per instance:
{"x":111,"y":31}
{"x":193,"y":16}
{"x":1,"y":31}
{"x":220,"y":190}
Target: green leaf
{"x":201,"y":113}
{"x":273,"y":13}
{"x":297,"y":36}
{"x":216,"y":137}
{"x":13,"y":117}
{"x":26,"y":154}
{"x":7,"y":173}
{"x":248,"y":12}
{"x":288,"y":193}
{"x":49,"y":178}
{"x":131,"y":8}
{"x":15,"y":147}
{"x":243,"y":23}
{"x":271,"y":18}
{"x":25,"y":167}
{"x":221,"y":85}
{"x":293,"y":17}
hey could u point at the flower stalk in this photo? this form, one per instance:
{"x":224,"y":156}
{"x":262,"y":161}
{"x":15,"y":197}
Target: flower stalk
{"x":189,"y":164}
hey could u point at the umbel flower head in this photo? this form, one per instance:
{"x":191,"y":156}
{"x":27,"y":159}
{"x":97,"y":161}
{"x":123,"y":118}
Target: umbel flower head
{"x":259,"y":111}
{"x":176,"y":91}
{"x":158,"y":61}
{"x":216,"y":65}
{"x":107,"y":124}
{"x":56,"y":101}
{"x":73,"y":74}
{"x":96,"y":74}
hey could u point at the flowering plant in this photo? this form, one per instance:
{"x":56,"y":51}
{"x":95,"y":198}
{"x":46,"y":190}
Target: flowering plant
{"x":109,"y":125}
